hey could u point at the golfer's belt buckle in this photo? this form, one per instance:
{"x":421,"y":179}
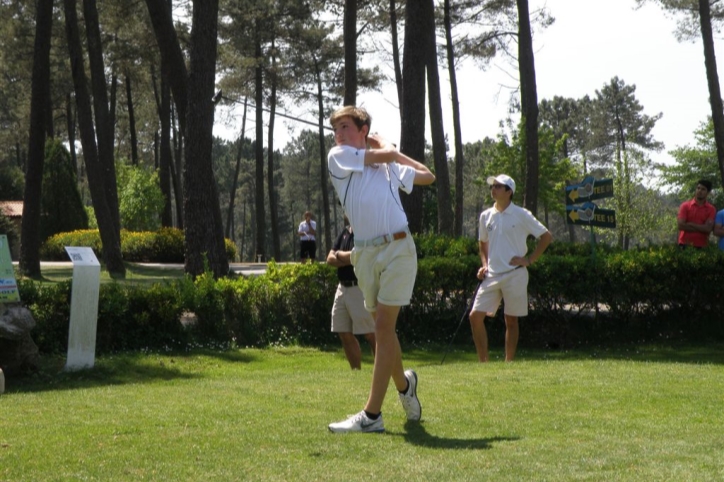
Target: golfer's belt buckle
{"x":384,"y":239}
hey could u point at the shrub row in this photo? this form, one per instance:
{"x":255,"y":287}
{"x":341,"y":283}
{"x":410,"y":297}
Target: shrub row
{"x":163,"y":246}
{"x":629,"y":296}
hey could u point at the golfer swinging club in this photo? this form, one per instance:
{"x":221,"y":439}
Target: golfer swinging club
{"x":502,"y":234}
{"x":368,"y":182}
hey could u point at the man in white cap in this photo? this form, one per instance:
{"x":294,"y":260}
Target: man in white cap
{"x":503,"y":231}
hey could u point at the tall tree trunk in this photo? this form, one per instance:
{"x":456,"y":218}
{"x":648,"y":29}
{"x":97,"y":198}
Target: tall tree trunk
{"x":459,"y":158}
{"x":273,"y":209}
{"x":131,"y":121}
{"x":350,"y":52}
{"x":232,"y":194}
{"x":176,"y":167}
{"x":396,"y":54}
{"x":70,"y":119}
{"x":39,"y":102}
{"x":445,"y":218}
{"x":204,"y":231}
{"x":324,"y":175}
{"x":412,"y":132}
{"x":110,"y":238}
{"x":112,"y":106}
{"x":164,"y":155}
{"x":259,"y":100}
{"x":173,"y":65}
{"x":529,"y":105}
{"x":712,"y":78}
{"x":104,"y":125}
{"x":165,"y":158}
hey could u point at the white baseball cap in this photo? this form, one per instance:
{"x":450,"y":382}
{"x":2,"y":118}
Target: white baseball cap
{"x":502,"y":179}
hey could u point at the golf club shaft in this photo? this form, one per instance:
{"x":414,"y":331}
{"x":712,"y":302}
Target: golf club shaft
{"x":467,"y":310}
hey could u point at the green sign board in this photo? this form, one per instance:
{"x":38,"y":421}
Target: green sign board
{"x":588,"y":214}
{"x":589,"y":189}
{"x":8,"y":286}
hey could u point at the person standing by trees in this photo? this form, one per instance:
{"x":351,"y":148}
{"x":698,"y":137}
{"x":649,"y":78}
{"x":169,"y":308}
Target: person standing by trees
{"x":307,"y":235}
{"x":368,"y":180}
{"x":504,"y":229}
{"x":696,"y":218}
{"x":349,"y":316}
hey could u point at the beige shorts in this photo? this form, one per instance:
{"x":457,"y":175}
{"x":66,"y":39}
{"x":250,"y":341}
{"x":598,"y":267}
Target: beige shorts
{"x":386,"y":274}
{"x":349,"y":314}
{"x":512,"y":287}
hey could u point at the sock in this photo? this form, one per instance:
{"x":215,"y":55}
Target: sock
{"x":372,"y":416}
{"x":406,"y":388}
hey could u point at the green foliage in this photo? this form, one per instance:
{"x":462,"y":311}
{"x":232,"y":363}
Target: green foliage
{"x":12,"y":182}
{"x":7,"y":227}
{"x":163,"y":246}
{"x":447,"y":246}
{"x":576,"y":299}
{"x":61,"y":205}
{"x":140,"y":200}
{"x":695,"y":162}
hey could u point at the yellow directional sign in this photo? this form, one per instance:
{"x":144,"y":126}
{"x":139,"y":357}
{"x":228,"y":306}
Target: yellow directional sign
{"x":589,"y":189}
{"x":589,"y":214}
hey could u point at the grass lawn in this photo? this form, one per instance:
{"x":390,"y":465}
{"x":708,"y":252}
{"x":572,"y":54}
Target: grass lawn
{"x":136,"y":273}
{"x":641,"y":414}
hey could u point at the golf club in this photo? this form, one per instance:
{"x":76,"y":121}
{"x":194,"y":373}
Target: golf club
{"x":467,"y":310}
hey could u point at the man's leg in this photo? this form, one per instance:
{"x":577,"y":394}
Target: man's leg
{"x":352,"y":350}
{"x":511,"y":337}
{"x":370,"y":337}
{"x":480,"y":335}
{"x":388,"y":358}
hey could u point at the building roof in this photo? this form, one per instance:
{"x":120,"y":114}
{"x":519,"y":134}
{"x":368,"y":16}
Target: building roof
{"x":12,"y":209}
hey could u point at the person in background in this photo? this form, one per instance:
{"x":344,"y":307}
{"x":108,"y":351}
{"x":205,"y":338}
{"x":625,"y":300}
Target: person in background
{"x":307,"y":238}
{"x":696,"y":218}
{"x":719,"y":228}
{"x":367,"y":173}
{"x":502,"y":234}
{"x":349,"y":316}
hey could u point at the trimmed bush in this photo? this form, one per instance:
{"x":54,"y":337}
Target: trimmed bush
{"x":633,"y":296}
{"x":163,"y":246}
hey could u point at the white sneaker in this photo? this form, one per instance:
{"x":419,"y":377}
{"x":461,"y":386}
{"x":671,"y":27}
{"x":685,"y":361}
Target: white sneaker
{"x":358,"y":423}
{"x":409,"y":399}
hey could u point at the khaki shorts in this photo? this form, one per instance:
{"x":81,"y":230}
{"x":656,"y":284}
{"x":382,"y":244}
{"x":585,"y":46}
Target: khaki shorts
{"x":349,"y":314}
{"x":512,"y":287}
{"x":386,"y":274}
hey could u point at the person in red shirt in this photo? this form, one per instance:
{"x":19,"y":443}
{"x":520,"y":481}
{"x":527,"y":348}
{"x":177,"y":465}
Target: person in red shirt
{"x":696,"y":218}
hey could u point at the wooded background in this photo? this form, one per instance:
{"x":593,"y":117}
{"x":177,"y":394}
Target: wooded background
{"x":129,"y":88}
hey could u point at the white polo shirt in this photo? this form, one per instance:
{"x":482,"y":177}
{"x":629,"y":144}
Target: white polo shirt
{"x":370,"y":194}
{"x":506,"y":233}
{"x":304,"y":228}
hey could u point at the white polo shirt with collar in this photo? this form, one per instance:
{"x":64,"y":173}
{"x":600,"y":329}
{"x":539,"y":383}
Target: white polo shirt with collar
{"x":506,"y":233}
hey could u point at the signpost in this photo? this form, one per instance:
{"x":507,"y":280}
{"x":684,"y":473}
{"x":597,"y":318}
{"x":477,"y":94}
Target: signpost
{"x":8,"y":286}
{"x":83,"y":308}
{"x":589,"y":214}
{"x":589,"y":189}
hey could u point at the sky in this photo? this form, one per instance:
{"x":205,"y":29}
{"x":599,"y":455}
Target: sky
{"x":590,"y":42}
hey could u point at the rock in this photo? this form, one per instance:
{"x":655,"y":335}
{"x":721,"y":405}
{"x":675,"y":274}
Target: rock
{"x":18,"y":351}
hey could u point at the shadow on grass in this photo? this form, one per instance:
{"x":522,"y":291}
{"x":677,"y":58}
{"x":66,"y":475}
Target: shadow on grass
{"x":120,"y":369}
{"x":416,"y":434}
{"x":674,"y":352}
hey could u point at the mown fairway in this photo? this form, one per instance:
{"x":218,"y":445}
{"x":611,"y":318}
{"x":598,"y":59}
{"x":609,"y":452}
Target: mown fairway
{"x":649,"y":413}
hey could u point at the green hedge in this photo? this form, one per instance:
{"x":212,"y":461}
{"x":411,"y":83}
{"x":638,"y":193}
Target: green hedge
{"x":163,"y":246}
{"x":639,"y":295}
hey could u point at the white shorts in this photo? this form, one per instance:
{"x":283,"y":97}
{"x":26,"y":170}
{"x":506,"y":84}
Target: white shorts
{"x":386,"y":273}
{"x":349,"y":314}
{"x":512,"y":287}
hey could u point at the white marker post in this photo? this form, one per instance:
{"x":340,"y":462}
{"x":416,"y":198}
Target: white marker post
{"x":83,"y":308}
